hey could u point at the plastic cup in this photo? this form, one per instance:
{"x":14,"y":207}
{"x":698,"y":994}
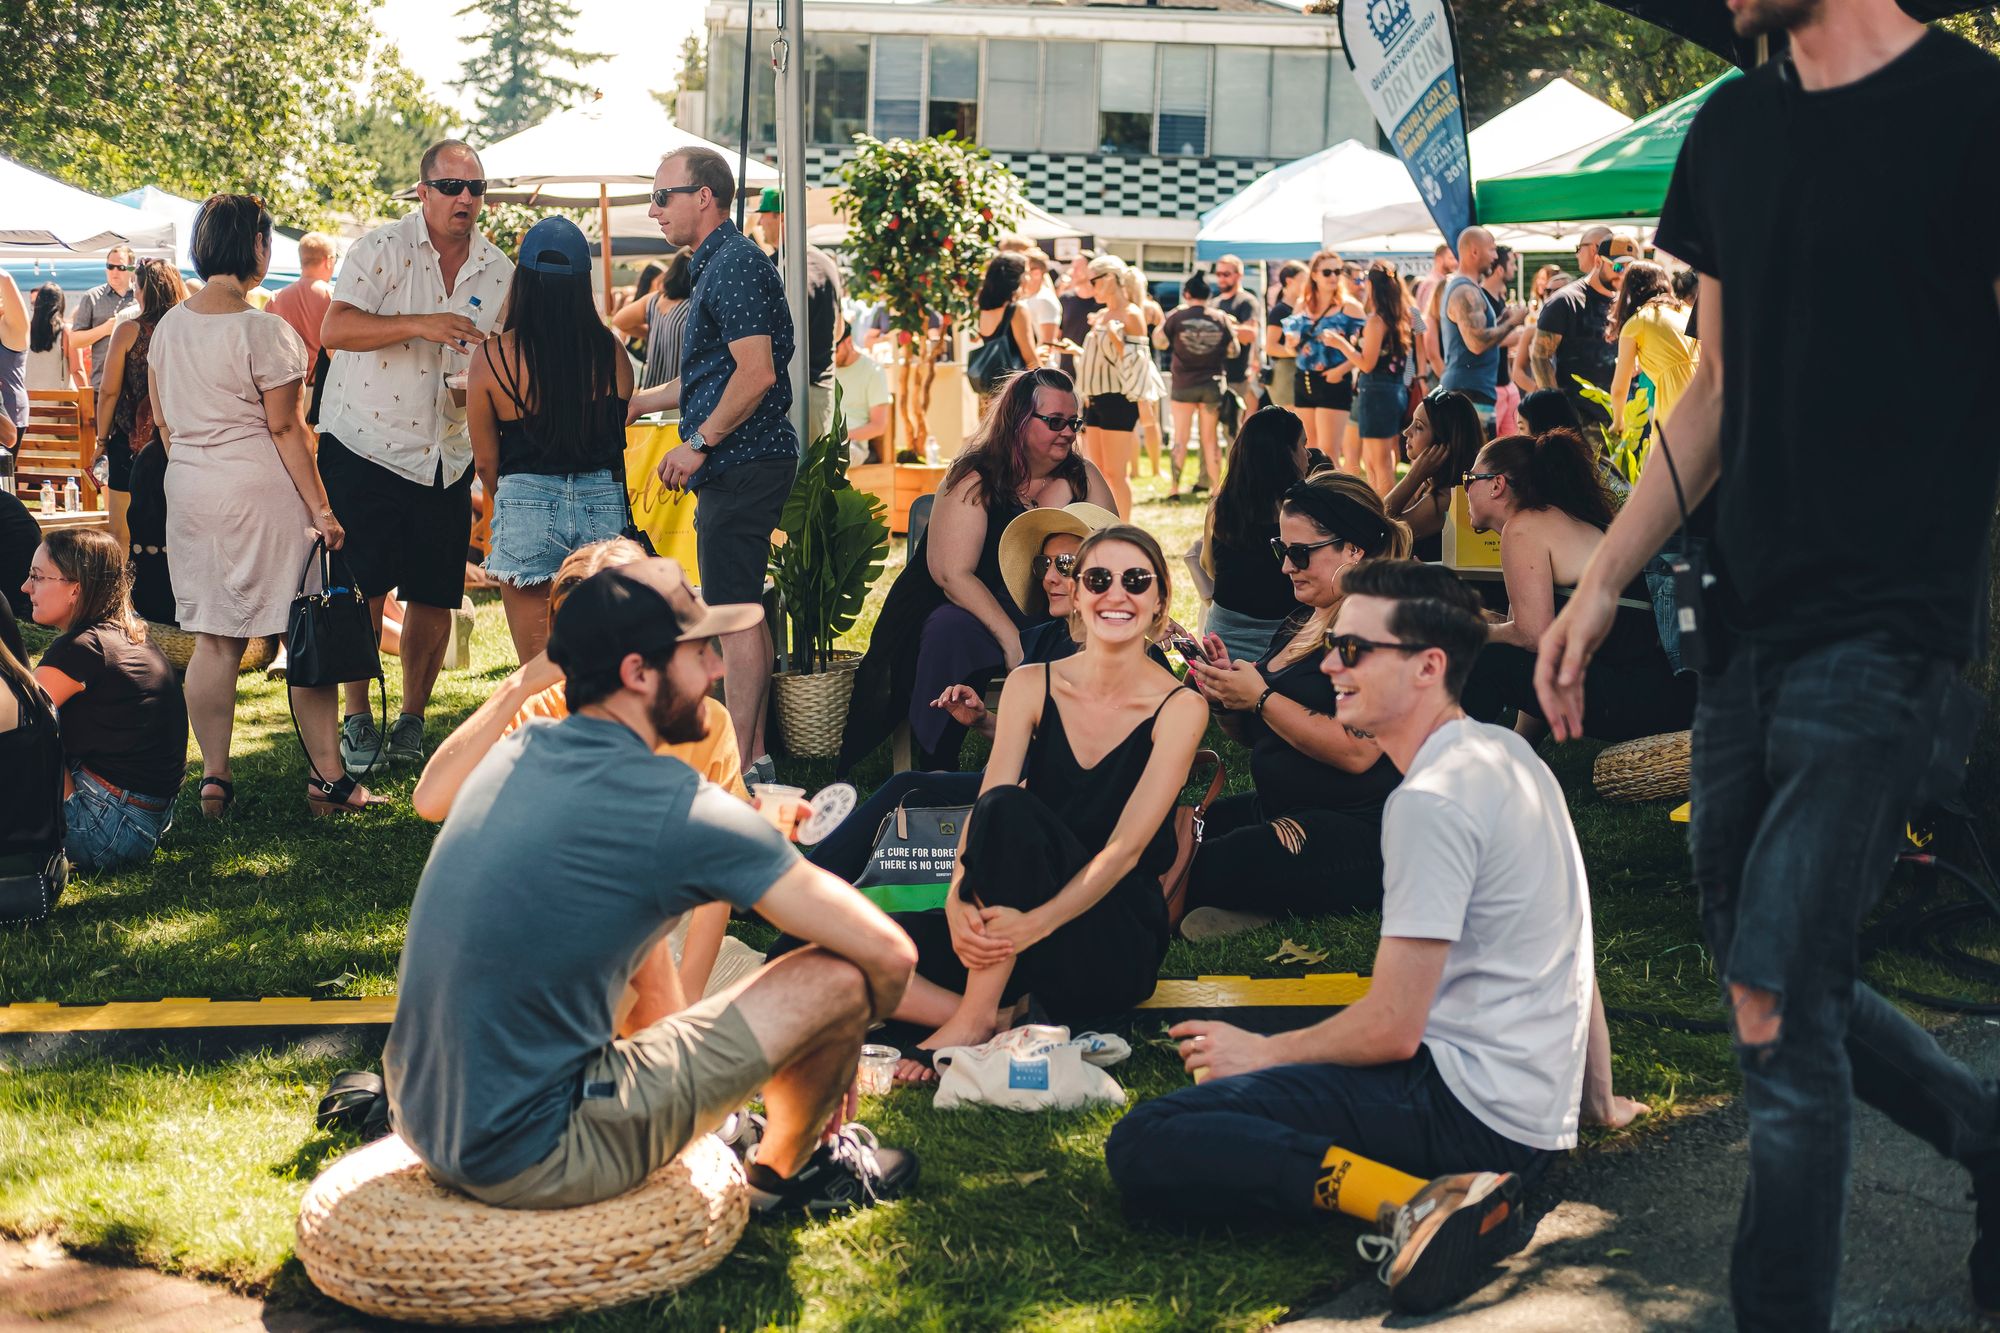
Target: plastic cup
{"x":875,"y":1075}
{"x":779,"y":803}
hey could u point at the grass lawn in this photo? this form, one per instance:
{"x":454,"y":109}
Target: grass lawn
{"x":199,"y":1168}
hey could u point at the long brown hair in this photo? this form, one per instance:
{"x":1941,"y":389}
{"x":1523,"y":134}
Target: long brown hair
{"x":1553,"y":470}
{"x":1644,"y":283}
{"x":160,"y":290}
{"x":1385,"y":288}
{"x":1132,"y":535}
{"x":1309,"y":294}
{"x":994,"y":452}
{"x":95,"y":562}
{"x":1312,"y":627}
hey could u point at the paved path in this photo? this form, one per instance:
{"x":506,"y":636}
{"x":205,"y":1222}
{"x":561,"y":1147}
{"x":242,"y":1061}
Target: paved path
{"x":1641,"y":1238}
{"x":42,"y":1287}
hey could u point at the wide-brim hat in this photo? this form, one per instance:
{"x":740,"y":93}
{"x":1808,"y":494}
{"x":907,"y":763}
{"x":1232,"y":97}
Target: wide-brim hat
{"x":1022,"y":541}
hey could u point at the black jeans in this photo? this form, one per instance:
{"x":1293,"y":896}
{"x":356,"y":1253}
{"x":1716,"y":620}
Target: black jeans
{"x":1332,"y":863}
{"x":1250,"y":1146}
{"x":1806,"y":765}
{"x":845,"y":850}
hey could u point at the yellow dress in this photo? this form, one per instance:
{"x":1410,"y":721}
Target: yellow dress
{"x":1662,"y":348}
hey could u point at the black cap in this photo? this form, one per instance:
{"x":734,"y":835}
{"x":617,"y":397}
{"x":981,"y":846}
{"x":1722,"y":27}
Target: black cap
{"x":646,"y":607}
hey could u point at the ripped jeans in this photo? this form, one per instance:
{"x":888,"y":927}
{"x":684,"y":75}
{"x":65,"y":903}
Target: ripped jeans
{"x":1806,"y":765}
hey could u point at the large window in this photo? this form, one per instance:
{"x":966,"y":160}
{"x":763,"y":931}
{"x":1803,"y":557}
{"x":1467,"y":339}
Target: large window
{"x":837,"y":87}
{"x":1125,"y":97}
{"x":1298,"y":103}
{"x":1013,"y":95}
{"x":725,"y":97}
{"x":1243,"y":102}
{"x":1183,"y":101}
{"x":899,"y":88}
{"x":1069,"y":97}
{"x":954,"y":90}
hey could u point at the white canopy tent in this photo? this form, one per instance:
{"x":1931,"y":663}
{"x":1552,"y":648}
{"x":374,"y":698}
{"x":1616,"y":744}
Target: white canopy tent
{"x":158,"y":203}
{"x":1556,"y":118}
{"x":1278,"y":215}
{"x":42,"y":218}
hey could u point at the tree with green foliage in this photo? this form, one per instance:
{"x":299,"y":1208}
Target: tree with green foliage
{"x":1509,"y":48}
{"x":396,"y":120}
{"x":513,"y":81}
{"x":692,"y":77}
{"x":193,"y":96}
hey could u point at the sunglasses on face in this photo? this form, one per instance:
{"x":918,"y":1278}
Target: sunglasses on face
{"x":122,"y":268}
{"x":1058,"y":423}
{"x":454,"y":186}
{"x":1301,"y":553}
{"x":1467,"y":478}
{"x":1065,"y":565}
{"x":666,"y":192}
{"x":1352,"y":647}
{"x":1329,"y":273}
{"x":1098,"y":579}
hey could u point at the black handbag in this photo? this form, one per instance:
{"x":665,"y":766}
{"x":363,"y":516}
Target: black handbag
{"x":28,"y":890}
{"x":996,"y":359}
{"x":916,"y":850}
{"x":330,"y":638}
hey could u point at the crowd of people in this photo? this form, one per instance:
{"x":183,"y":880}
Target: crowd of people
{"x":550,"y":1049}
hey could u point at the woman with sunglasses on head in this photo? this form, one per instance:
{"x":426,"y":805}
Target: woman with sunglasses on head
{"x":1546,"y":498}
{"x":1055,"y":906}
{"x":545,"y":408}
{"x":1306,"y":841}
{"x":948,"y":618}
{"x":1327,"y":309}
{"x":1252,"y":595}
{"x":1439,"y":444}
{"x":1649,"y":324}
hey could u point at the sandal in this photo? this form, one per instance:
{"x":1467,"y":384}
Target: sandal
{"x":330,"y":798}
{"x":228,"y":796}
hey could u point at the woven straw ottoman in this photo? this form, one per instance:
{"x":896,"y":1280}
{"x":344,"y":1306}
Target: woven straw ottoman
{"x":1652,"y":768}
{"x":377,"y":1233}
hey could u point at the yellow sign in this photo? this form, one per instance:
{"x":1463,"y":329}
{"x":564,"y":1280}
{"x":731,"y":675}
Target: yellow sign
{"x":1465,"y":547}
{"x":665,"y":516}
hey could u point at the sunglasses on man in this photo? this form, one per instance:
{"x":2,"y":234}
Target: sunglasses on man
{"x":121,"y":268}
{"x":1352,"y":647}
{"x":1065,"y":565}
{"x":666,"y":192}
{"x":1097,"y":579}
{"x":454,"y":186}
{"x":1300,"y":553}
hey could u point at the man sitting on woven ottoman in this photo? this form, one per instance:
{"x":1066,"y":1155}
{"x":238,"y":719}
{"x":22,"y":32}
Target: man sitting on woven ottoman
{"x":570,"y":852}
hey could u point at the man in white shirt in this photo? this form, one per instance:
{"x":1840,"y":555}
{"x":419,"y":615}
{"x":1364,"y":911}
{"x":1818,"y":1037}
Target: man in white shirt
{"x":864,"y":398}
{"x":1038,"y":295}
{"x":1427,"y":1106}
{"x":413,"y":302}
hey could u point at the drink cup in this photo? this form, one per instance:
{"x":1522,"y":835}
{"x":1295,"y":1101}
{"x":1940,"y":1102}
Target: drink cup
{"x":779,"y":804}
{"x":875,"y":1075}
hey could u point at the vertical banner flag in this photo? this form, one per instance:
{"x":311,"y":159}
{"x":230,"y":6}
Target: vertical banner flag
{"x":1404,"y":53}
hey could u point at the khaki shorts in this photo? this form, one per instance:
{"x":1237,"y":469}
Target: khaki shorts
{"x":642,"y":1099}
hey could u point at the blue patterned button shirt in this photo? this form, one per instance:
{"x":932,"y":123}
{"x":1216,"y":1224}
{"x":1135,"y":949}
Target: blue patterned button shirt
{"x":737,"y":294}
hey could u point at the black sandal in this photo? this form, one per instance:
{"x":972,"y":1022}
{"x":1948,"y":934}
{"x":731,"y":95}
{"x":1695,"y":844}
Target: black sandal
{"x":228,"y":796}
{"x":330,"y":798}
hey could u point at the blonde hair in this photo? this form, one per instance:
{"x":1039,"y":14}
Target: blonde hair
{"x":315,"y":246}
{"x":584,"y":561}
{"x":1312,"y":630}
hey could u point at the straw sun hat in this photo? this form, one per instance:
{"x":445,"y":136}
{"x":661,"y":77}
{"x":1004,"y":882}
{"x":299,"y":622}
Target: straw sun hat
{"x":1022,"y":541}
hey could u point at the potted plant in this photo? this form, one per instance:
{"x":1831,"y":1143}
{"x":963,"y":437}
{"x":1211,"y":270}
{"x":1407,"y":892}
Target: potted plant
{"x":836,"y":539}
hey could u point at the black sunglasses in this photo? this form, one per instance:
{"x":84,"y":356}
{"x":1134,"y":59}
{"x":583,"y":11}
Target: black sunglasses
{"x":1300,"y":553}
{"x":455,"y":186}
{"x":1467,"y":478}
{"x":122,"y":268}
{"x":666,"y":192}
{"x":1352,"y":647}
{"x":1065,"y":565}
{"x":1056,"y":421}
{"x":1098,"y":579}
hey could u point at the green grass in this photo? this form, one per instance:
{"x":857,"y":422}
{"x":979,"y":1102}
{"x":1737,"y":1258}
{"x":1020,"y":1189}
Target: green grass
{"x":198,"y":1168}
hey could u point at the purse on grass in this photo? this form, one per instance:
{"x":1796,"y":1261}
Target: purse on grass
{"x":330,"y":638}
{"x":916,"y":849}
{"x":1188,"y":821}
{"x":29,"y":888}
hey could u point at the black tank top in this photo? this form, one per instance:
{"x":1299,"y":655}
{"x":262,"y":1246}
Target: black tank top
{"x":522,"y":448}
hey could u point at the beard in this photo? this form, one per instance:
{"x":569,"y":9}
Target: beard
{"x":1759,"y":17}
{"x":679,"y":720}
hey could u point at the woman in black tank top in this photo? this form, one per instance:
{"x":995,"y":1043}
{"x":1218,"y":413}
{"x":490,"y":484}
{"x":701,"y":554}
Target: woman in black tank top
{"x":1057,"y":893}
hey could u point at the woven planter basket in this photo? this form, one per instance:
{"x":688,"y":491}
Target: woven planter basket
{"x":1652,"y":768}
{"x":377,"y":1233}
{"x":178,"y":645}
{"x":812,"y":709}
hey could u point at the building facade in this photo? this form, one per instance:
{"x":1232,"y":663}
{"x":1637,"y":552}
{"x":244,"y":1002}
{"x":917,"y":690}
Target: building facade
{"x":1128,"y":119}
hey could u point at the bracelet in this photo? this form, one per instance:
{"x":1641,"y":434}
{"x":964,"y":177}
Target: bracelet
{"x":1258,"y":708}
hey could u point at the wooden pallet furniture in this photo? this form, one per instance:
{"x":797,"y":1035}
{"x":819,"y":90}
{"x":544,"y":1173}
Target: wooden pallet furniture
{"x":58,"y":444}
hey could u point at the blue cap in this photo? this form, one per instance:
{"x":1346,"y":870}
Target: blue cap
{"x":556,"y":245}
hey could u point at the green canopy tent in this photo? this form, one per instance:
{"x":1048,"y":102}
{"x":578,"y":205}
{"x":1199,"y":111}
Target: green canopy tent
{"x":1622,"y":175}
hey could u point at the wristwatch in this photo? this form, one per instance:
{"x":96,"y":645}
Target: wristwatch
{"x":696,"y":443}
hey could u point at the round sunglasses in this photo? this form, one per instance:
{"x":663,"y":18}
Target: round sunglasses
{"x":1098,"y":579}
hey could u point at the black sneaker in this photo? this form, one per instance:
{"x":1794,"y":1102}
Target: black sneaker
{"x":852,"y":1171}
{"x":1985,"y":1257}
{"x":1436,"y":1248}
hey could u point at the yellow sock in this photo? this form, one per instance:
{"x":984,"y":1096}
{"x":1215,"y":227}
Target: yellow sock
{"x":1354,"y":1185}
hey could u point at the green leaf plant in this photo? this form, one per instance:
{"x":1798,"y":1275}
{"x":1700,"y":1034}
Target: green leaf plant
{"x":836,"y":539}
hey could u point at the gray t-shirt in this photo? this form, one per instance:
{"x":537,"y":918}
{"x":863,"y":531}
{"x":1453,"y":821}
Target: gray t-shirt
{"x":94,"y":307}
{"x":1477,"y":848}
{"x":570,"y":850}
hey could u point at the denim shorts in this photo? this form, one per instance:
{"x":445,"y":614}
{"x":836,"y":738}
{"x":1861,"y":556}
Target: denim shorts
{"x":104,"y":832}
{"x":538,"y":521}
{"x":1378,"y":407}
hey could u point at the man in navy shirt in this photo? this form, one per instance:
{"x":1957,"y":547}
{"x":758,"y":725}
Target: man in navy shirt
{"x":738,"y":450}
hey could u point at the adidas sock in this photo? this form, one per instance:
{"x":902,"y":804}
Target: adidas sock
{"x":1355,"y":1185}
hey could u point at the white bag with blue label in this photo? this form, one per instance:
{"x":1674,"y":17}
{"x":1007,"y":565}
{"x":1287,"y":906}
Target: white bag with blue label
{"x":1033,"y":1068}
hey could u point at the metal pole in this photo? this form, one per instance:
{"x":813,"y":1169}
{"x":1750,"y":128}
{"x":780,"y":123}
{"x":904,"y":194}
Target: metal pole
{"x":788,"y":59}
{"x":743,"y":124}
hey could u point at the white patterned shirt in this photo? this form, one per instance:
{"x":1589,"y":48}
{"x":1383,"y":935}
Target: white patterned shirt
{"x":391,"y":405}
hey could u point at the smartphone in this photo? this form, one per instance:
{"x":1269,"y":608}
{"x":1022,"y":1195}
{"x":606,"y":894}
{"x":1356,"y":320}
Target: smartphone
{"x":1188,"y":647}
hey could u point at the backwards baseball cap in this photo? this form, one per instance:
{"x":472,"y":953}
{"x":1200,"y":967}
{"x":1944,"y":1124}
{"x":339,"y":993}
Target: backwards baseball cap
{"x":772,"y":200}
{"x":1618,"y":247}
{"x":556,"y":245}
{"x":645,"y":607}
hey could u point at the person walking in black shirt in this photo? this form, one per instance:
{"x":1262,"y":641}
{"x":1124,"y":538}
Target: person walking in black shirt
{"x":1816,"y":727}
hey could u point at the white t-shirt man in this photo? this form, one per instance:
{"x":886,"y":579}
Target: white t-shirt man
{"x":1043,"y":308}
{"x":863,"y":388}
{"x":1478,"y":849}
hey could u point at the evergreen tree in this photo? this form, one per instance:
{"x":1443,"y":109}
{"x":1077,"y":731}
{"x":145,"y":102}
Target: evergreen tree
{"x":512,"y":81}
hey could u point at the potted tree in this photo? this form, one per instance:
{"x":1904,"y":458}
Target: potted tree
{"x":836,"y":539}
